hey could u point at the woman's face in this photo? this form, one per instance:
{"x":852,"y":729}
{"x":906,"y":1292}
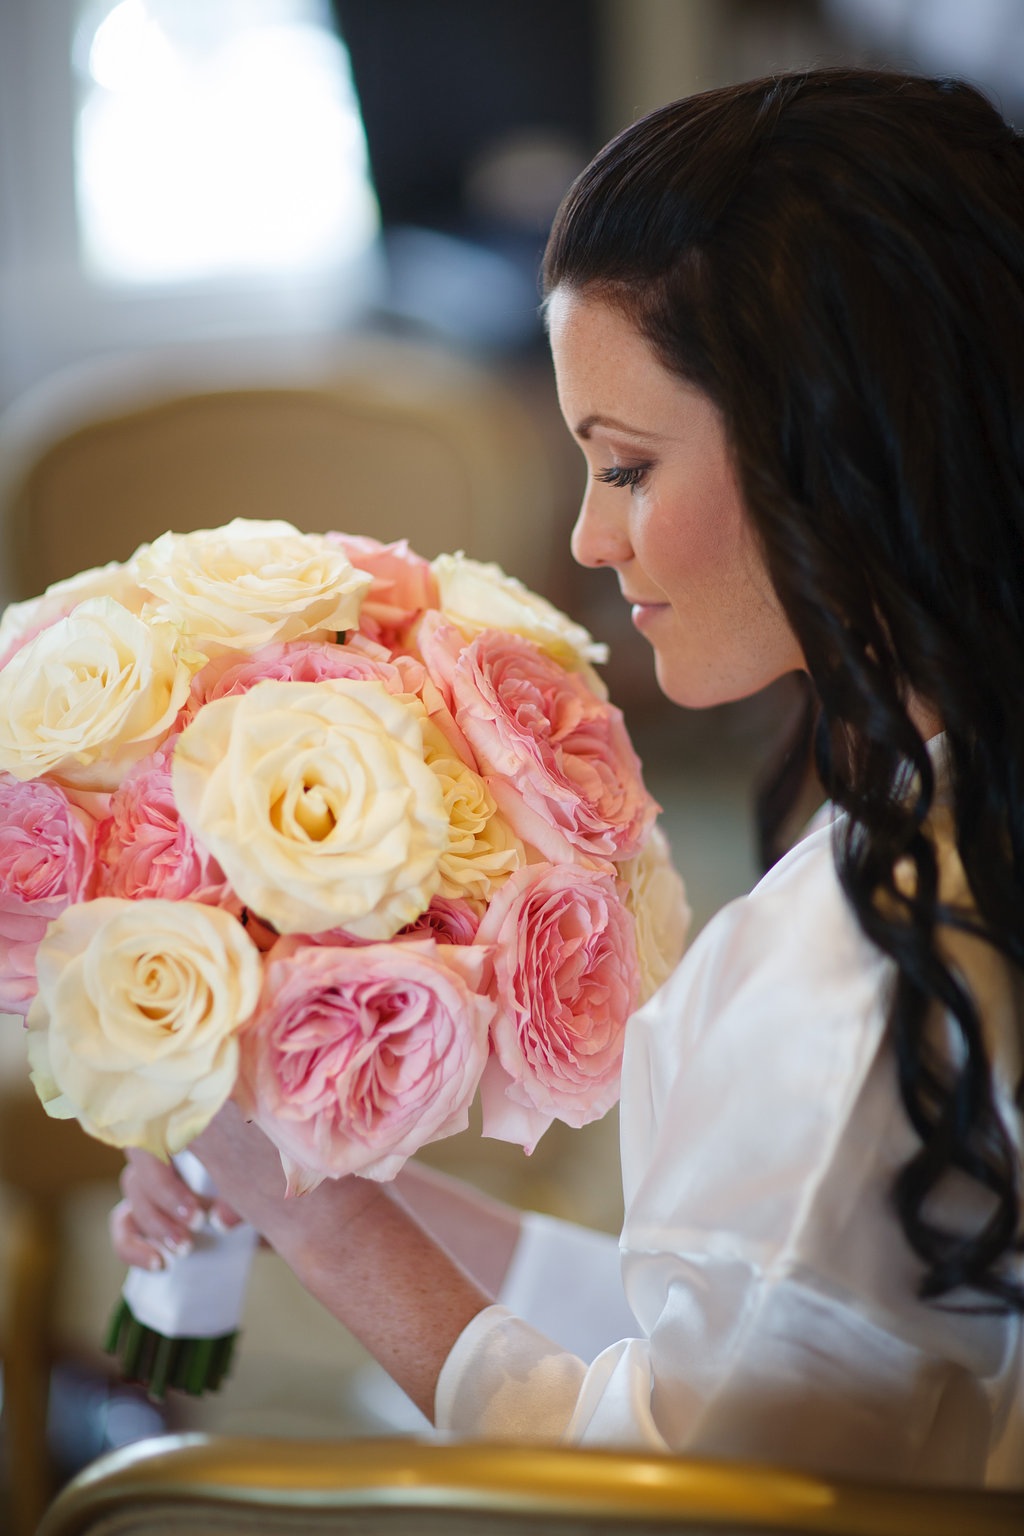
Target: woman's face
{"x":663,"y":509}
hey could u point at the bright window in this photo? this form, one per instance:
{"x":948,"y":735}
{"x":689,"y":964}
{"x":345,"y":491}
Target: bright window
{"x":217,"y":139}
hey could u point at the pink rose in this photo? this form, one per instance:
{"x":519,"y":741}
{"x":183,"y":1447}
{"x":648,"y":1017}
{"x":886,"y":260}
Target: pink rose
{"x":558,"y":760}
{"x":566,"y":979}
{"x":358,"y":1056}
{"x":449,"y":919}
{"x":47,"y":863}
{"x":302,"y":661}
{"x":146,"y":850}
{"x":403,"y":585}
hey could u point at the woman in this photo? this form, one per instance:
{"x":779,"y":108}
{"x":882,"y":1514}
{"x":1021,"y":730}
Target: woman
{"x":787,"y":320}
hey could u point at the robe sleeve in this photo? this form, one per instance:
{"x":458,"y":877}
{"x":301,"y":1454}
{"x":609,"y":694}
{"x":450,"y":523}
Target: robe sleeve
{"x":773,"y":1295}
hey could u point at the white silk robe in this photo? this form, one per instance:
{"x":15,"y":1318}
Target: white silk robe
{"x":766,"y":1307}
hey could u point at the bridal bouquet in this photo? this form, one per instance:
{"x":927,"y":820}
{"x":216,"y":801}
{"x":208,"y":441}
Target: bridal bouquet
{"x":312,"y":822}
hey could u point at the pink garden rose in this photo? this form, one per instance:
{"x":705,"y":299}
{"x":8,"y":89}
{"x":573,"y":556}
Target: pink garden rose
{"x":47,"y":862}
{"x":356,"y":1057}
{"x":147,"y":852}
{"x":403,"y":585}
{"x":565,"y":979}
{"x":557,"y":759}
{"x":302,"y":661}
{"x":448,"y":919}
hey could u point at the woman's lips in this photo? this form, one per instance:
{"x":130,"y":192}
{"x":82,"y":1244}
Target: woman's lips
{"x":644,"y":613}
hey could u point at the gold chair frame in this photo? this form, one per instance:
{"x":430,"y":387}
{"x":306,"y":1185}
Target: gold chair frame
{"x":201,"y":1484}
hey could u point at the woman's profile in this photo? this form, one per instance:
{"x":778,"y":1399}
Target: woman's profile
{"x":787,"y":321}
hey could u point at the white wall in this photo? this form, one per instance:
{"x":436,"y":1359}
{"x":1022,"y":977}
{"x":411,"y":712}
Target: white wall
{"x":51,"y":311}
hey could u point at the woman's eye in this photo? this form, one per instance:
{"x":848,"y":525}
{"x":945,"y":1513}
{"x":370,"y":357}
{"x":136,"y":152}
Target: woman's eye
{"x":623,"y":476}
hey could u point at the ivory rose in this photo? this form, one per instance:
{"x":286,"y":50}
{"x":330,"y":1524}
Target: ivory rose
{"x":558,"y":760}
{"x":565,"y":979}
{"x":477,"y":596}
{"x":146,"y":850}
{"x":134,"y":1030}
{"x":317,"y":803}
{"x":47,"y":862}
{"x":249,"y":583}
{"x":20,"y":622}
{"x":357,"y":1057}
{"x":90,"y":696}
{"x":656,"y":897}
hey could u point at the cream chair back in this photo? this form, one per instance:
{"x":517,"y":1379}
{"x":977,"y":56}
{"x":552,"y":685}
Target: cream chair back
{"x":369,"y":434}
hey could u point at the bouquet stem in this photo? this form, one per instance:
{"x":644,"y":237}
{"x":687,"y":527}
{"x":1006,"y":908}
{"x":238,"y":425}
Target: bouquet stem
{"x":176,"y":1328}
{"x":194,"y":1365}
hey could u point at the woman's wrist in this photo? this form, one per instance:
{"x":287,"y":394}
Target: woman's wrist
{"x":317,"y":1232}
{"x":383,"y":1276}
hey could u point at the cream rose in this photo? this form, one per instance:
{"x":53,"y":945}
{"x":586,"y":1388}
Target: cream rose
{"x":133,"y":1031}
{"x":250,"y":583}
{"x":90,"y":696}
{"x":482,"y":848}
{"x":656,"y":897}
{"x":476,"y":596}
{"x":21,"y":621}
{"x":316,"y":801}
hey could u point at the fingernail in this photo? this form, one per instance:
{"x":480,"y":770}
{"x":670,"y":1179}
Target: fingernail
{"x":185,"y":1212}
{"x":179,"y":1248}
{"x":154,"y":1262}
{"x":218,"y":1224}
{"x":196,"y":1219}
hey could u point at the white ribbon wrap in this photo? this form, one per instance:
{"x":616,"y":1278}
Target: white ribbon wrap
{"x":202,"y":1293}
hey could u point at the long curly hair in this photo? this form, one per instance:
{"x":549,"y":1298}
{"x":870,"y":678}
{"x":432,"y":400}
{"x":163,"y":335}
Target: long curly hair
{"x":836,"y":257}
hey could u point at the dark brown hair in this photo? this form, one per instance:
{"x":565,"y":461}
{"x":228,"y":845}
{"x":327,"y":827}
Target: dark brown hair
{"x":837,"y":258}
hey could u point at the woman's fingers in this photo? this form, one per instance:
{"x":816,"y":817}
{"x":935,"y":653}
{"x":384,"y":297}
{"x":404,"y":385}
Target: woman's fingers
{"x":130,"y":1245}
{"x":161,"y":1183}
{"x":159,"y":1214}
{"x":224,"y":1215}
{"x":164,"y":1209}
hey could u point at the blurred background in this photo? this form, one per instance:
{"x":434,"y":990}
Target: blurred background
{"x":279,"y":258}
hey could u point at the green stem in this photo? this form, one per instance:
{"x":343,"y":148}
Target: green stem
{"x":193,"y":1365}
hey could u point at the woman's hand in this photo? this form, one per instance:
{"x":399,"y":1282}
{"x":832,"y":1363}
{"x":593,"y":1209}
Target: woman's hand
{"x":159,"y":1213}
{"x":351,"y":1242}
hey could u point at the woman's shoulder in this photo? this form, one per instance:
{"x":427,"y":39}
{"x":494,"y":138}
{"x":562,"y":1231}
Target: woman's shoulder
{"x":743,"y":1074}
{"x":783,"y":975}
{"x":795,"y":928}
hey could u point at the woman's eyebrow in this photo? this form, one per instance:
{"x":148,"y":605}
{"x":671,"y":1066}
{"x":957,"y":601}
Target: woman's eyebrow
{"x":612,"y":423}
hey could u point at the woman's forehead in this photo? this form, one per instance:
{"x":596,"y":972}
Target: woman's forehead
{"x":608,"y":373}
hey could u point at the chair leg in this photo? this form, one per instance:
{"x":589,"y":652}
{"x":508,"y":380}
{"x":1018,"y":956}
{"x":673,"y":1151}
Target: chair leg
{"x":27,"y":1362}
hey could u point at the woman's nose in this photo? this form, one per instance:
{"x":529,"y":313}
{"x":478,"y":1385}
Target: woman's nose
{"x":599,"y":537}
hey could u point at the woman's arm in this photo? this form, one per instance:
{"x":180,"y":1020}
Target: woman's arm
{"x":355,"y":1247}
{"x":160,"y":1212}
{"x":403,"y":1266}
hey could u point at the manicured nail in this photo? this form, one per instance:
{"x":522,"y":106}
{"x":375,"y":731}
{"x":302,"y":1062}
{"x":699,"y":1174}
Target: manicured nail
{"x":154,"y":1262}
{"x":196,"y":1219}
{"x":218,"y":1224}
{"x":179,"y":1247}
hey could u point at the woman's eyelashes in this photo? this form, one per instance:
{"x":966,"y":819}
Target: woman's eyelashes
{"x":623,"y":476}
